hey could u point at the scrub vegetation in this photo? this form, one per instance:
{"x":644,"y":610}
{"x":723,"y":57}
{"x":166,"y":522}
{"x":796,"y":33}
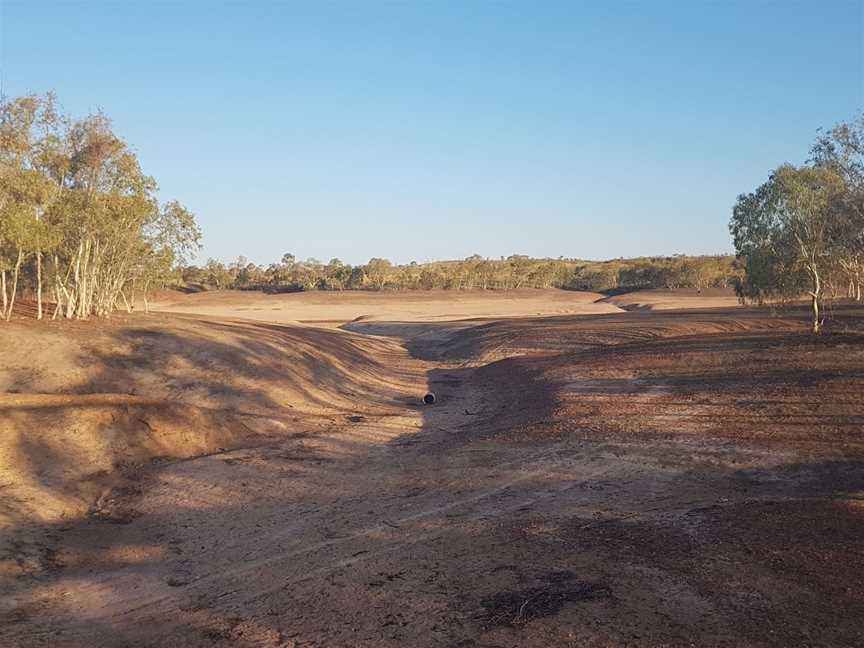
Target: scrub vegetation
{"x":802,"y":231}
{"x":79,"y":220}
{"x":81,"y":229}
{"x":475,"y":272}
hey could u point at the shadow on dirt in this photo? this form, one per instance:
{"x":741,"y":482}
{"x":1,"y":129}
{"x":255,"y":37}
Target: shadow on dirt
{"x":770,"y":553}
{"x":461,"y":536}
{"x":189,"y":388}
{"x":523,"y":606}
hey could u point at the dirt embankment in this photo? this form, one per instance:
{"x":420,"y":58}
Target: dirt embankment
{"x":85,"y":403}
{"x":664,"y":299}
{"x":482,"y":340}
{"x":742,"y":373}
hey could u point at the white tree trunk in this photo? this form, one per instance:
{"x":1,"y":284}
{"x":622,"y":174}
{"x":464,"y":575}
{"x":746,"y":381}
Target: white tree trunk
{"x":38,"y":284}
{"x":58,"y":305}
{"x":126,"y":303}
{"x":5,"y":298}
{"x":816,"y":294}
{"x":14,"y":285}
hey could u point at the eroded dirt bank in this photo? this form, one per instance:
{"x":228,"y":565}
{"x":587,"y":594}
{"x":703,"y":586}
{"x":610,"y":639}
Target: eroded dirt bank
{"x":673,"y":479}
{"x":85,"y":405}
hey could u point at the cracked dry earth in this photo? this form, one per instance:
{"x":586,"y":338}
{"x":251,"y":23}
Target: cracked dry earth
{"x":470,"y":523}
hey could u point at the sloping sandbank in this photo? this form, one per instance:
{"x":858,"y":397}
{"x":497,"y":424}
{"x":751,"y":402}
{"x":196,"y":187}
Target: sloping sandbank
{"x":336,"y":308}
{"x":674,"y":299}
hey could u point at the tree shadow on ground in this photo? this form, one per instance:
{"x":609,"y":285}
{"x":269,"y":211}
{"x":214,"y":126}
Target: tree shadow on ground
{"x":765,"y":556}
{"x":461,"y":526}
{"x":153,"y":391}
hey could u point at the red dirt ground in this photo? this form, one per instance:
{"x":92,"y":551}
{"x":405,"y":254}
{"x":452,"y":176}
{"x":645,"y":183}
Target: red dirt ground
{"x":668,"y":478}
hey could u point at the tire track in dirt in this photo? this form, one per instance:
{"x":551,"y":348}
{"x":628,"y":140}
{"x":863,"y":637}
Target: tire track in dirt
{"x":471,"y":493}
{"x":109,"y":589}
{"x":115,"y":592}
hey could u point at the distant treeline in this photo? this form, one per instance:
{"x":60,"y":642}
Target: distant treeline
{"x":473,"y":273}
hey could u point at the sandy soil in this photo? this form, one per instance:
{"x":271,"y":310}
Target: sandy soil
{"x":337,"y":308}
{"x":674,"y":299}
{"x":645,"y":478}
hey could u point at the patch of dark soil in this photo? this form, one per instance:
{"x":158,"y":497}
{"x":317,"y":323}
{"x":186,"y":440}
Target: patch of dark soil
{"x":516,"y":608}
{"x":448,"y":382}
{"x":24,"y":613}
{"x":115,"y":515}
{"x":519,"y":399}
{"x":817,"y":544}
{"x":236,"y":460}
{"x":773,"y":388}
{"x":114,"y":505}
{"x":302,"y":454}
{"x":660,"y":545}
{"x":50,"y":559}
{"x":777,"y":570}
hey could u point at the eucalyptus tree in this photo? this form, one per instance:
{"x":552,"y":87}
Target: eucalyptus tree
{"x":841,"y":149}
{"x":786,"y":230}
{"x":74,"y":191}
{"x":27,"y":125}
{"x":378,"y":272}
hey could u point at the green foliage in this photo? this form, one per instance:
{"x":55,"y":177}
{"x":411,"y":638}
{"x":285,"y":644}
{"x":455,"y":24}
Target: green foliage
{"x":473,"y":273}
{"x":72,"y":192}
{"x":802,"y":231}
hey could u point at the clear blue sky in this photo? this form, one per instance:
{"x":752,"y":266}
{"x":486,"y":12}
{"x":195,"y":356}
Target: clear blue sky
{"x":424,"y":130}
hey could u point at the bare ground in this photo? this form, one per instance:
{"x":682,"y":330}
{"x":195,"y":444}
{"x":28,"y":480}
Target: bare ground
{"x":660,"y":299}
{"x":335,"y":308}
{"x":670,"y":478}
